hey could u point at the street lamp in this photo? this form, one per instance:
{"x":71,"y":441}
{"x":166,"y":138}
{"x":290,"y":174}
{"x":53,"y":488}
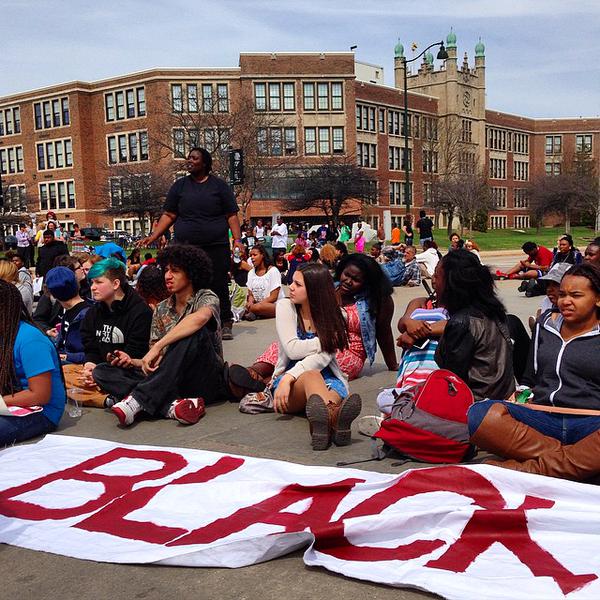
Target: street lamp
{"x":442,"y":55}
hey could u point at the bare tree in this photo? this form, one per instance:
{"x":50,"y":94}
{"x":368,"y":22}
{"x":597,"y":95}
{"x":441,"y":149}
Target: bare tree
{"x":335,"y":186}
{"x":267,"y":143}
{"x":13,"y":210}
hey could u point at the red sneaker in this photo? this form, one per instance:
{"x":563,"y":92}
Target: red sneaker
{"x":501,"y":274}
{"x":187,"y":410}
{"x":513,"y":276}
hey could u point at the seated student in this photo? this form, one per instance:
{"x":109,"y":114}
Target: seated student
{"x":328,"y":256}
{"x":551,"y":282}
{"x":473,"y":248}
{"x":376,"y":253}
{"x":535,"y":265}
{"x":62,"y":284}
{"x":134,"y":262}
{"x":280,"y":261}
{"x":10,"y":274}
{"x":110,"y":249}
{"x":310,"y":327}
{"x":412,"y":272}
{"x":299,"y":255}
{"x":118,"y":322}
{"x":558,"y":434}
{"x":184,"y":368}
{"x":428,"y":259}
{"x":75,"y":265}
{"x":592,"y":253}
{"x":151,"y":286}
{"x":24,"y":273}
{"x":456,"y":243}
{"x":565,"y":252}
{"x":264,"y":286}
{"x":30,"y":373}
{"x":476,"y":343}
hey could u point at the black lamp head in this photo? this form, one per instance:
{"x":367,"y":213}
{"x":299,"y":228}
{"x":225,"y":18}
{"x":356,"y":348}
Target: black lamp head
{"x":442,"y":54}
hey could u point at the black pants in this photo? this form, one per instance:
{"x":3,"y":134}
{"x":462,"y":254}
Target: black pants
{"x":25,"y":255}
{"x":191,"y":368}
{"x":221,"y":260}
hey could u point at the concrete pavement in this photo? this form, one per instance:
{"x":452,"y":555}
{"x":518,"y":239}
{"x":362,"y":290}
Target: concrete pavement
{"x":29,"y":574}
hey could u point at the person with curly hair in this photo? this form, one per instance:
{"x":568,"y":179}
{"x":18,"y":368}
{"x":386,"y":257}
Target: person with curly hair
{"x":151,"y":286}
{"x":184,"y":368}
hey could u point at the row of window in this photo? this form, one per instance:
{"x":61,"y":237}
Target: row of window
{"x":316,"y":96}
{"x":186,"y":99}
{"x":553,"y":168}
{"x":499,"y":197}
{"x":127,"y":147}
{"x":56,"y":154}
{"x":127,"y":188}
{"x":511,"y":141}
{"x":51,"y":113}
{"x":500,"y":222}
{"x":498,"y":169}
{"x":276,"y":141}
{"x":15,"y":199}
{"x":371,"y":118}
{"x":125,"y":104}
{"x":583,"y":143}
{"x":210,"y":138}
{"x":10,"y":120}
{"x":398,"y":193}
{"x":521,"y":170}
{"x":11,"y":160}
{"x":57,"y":195}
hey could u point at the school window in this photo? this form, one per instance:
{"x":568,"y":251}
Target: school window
{"x":337,"y":102}
{"x":403,"y":198}
{"x":496,"y":139}
{"x":553,"y":144}
{"x":394,"y":122}
{"x":497,"y":168}
{"x":207,"y":98}
{"x":338,"y":140}
{"x":397,"y":158}
{"x":324,"y":141}
{"x":417,"y":126}
{"x":308,"y":93}
{"x":499,"y":197}
{"x":382,"y":120}
{"x":127,"y":147}
{"x":520,"y":143}
{"x":583,"y":142}
{"x":365,"y":118}
{"x":466,"y":162}
{"x":271,"y":140}
{"x":466,"y":133}
{"x":179,"y":143}
{"x":289,"y":99}
{"x":497,"y":222}
{"x":521,"y":222}
{"x":129,"y":104}
{"x":310,"y":140}
{"x":427,"y":193}
{"x":274,"y":96}
{"x":128,"y":188}
{"x":177,"y":98}
{"x":56,"y":154}
{"x":521,"y":198}
{"x":323,"y":96}
{"x":57,"y":195}
{"x":366,"y":155}
{"x":290,"y":140}
{"x":260,"y":96}
{"x":430,"y":161}
{"x":429,"y":128}
{"x":553,"y":168}
{"x":15,"y":199}
{"x":11,"y":160}
{"x":521,"y":170}
{"x":395,"y":193}
{"x":222,"y":98}
{"x":10,"y":121}
{"x":51,"y":113}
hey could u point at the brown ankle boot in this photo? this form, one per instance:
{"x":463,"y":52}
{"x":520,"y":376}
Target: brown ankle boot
{"x":577,"y":462}
{"x":503,"y":435}
{"x":318,"y":417}
{"x":342,"y":415}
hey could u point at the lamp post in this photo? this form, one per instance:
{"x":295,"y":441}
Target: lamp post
{"x":442,"y":55}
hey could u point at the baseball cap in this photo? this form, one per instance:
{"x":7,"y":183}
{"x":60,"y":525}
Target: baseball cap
{"x":556,"y":273}
{"x":61,"y":283}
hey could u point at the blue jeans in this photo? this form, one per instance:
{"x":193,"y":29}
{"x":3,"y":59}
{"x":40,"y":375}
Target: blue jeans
{"x":19,"y":429}
{"x":567,"y":429}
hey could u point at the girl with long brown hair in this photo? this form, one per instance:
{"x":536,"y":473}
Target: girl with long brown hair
{"x":311,"y":328}
{"x":30,"y":374}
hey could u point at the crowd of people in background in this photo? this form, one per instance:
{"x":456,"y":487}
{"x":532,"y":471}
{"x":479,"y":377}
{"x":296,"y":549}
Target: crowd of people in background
{"x":141,"y":333}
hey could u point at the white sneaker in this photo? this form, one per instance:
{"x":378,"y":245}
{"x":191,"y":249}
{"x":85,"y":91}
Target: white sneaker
{"x":126,"y":410}
{"x":369,"y":425}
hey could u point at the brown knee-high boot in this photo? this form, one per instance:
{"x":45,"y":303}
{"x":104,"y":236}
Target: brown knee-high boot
{"x":502,"y":434}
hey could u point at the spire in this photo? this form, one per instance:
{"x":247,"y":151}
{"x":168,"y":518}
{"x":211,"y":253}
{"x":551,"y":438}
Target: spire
{"x":451,"y":39}
{"x":399,"y":50}
{"x":479,"y":49}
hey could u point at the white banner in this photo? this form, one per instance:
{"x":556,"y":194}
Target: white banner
{"x":460,"y":532}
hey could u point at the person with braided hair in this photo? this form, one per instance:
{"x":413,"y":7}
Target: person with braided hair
{"x":30,"y":374}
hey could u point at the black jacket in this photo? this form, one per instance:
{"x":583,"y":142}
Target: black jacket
{"x":478,"y":350}
{"x":46,"y":255}
{"x":124,"y":326}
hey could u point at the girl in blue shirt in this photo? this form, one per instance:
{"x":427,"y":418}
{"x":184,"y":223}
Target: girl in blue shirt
{"x":30,"y":373}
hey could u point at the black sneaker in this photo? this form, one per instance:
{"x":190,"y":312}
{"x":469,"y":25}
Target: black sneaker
{"x":523,"y":286}
{"x":226,"y":333}
{"x":110,"y":401}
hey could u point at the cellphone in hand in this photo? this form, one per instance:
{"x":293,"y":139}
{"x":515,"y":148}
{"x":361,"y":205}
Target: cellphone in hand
{"x":421,"y":344}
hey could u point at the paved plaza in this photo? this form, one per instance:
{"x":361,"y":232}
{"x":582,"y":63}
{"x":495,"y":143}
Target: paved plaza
{"x":28,"y":574}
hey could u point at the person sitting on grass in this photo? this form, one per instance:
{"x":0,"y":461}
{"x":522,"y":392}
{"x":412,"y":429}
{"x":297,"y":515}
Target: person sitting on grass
{"x":428,"y":259}
{"x":538,"y":261}
{"x":566,"y":252}
{"x":30,"y":374}
{"x":184,"y":368}
{"x":24,"y":273}
{"x":264,"y":286}
{"x":558,"y":433}
{"x":592,"y":253}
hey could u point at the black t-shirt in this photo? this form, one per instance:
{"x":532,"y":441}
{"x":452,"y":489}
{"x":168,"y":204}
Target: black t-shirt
{"x":425,"y":227}
{"x":201,"y":210}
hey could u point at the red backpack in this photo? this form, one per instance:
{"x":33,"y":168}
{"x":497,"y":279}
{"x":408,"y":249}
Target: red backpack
{"x":428,"y":422}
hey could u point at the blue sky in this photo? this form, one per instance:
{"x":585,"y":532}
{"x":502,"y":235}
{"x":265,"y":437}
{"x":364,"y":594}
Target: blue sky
{"x":542,"y":56}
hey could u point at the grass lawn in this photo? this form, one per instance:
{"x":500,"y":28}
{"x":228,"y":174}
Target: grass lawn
{"x":509,"y":239}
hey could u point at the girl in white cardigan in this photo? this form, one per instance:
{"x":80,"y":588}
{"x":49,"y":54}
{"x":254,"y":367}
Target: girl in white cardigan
{"x":311,"y":328}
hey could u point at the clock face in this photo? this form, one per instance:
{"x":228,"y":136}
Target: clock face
{"x":467,"y":99}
